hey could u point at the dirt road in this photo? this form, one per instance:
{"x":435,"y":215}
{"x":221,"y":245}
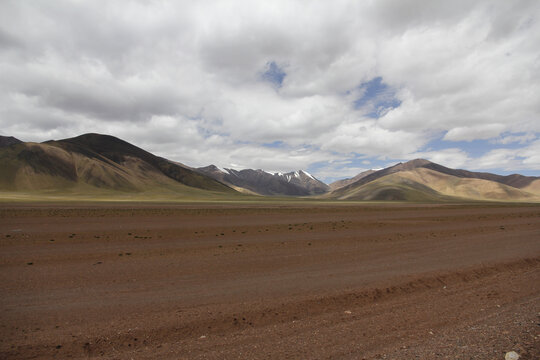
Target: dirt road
{"x":269,"y":281}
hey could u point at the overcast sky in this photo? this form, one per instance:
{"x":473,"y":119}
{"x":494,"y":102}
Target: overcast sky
{"x":333,"y":87}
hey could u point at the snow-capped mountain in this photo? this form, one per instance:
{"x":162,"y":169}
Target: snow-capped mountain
{"x":296,"y":183}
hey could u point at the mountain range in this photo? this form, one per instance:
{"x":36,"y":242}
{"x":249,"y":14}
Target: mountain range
{"x":422,"y":180}
{"x":296,"y":183}
{"x":104,"y":165}
{"x":97,"y":164}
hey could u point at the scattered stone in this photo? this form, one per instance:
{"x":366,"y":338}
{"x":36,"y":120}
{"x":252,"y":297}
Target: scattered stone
{"x":511,"y":355}
{"x":203,"y":337}
{"x":348,"y":312}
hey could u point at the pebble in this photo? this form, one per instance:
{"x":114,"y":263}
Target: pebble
{"x":511,"y":355}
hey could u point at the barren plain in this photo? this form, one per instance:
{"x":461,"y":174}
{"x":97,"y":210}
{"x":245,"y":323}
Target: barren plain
{"x":269,"y":281}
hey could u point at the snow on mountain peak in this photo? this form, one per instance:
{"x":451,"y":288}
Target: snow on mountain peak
{"x":308,"y":174}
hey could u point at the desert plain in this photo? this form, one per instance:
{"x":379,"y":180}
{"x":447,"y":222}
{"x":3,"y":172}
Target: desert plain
{"x":290,"y":280}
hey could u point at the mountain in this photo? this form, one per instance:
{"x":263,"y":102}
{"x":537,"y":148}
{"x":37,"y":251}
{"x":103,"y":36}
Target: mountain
{"x":94,"y":162}
{"x":422,"y":180}
{"x":297,"y":183}
{"x":344,"y":182}
{"x":102,"y":166}
{"x":6,"y":141}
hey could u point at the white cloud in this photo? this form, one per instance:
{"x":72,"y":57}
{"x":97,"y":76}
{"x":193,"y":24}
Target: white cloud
{"x":451,"y":157}
{"x":526,"y":158}
{"x":366,"y":138}
{"x":475,"y":132}
{"x":509,"y":139}
{"x":183,"y":79}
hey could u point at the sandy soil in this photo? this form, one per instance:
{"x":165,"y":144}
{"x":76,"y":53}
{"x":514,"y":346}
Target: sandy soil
{"x":269,"y":281}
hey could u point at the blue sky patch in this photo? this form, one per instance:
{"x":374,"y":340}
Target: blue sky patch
{"x":274,"y":144}
{"x":377,"y":98}
{"x":274,"y":74}
{"x":477,"y":148}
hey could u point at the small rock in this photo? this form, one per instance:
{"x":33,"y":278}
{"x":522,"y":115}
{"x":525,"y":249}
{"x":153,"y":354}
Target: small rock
{"x":203,"y":337}
{"x":511,"y":355}
{"x":348,"y":312}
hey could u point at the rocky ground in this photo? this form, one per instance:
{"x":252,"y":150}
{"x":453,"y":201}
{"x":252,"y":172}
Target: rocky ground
{"x":269,"y":281}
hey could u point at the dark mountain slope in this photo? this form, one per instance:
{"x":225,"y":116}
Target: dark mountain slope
{"x":6,"y":141}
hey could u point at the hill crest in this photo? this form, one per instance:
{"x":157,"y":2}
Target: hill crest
{"x":97,"y":162}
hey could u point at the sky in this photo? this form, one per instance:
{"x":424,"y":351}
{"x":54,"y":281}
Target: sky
{"x":331,"y":87}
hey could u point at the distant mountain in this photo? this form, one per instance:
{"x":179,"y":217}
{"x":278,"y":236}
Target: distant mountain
{"x":422,"y":180}
{"x":6,"y":141}
{"x":344,"y":182}
{"x":97,"y":162}
{"x":102,"y":165}
{"x":297,"y":183}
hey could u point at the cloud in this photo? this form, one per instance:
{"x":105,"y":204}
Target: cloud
{"x":366,"y":138}
{"x":476,"y":132}
{"x":525,"y":158}
{"x":449,"y":157}
{"x":212,"y":82}
{"x":519,"y":138}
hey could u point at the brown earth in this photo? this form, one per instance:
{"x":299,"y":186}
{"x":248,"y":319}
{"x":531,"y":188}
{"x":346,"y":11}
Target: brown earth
{"x":269,"y":281}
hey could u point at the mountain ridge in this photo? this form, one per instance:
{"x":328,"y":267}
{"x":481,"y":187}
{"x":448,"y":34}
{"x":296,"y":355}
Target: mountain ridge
{"x":6,"y":141}
{"x":514,"y":180}
{"x":93,"y":162}
{"x":295,"y":183}
{"x":443,"y":183}
{"x":344,"y":182}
